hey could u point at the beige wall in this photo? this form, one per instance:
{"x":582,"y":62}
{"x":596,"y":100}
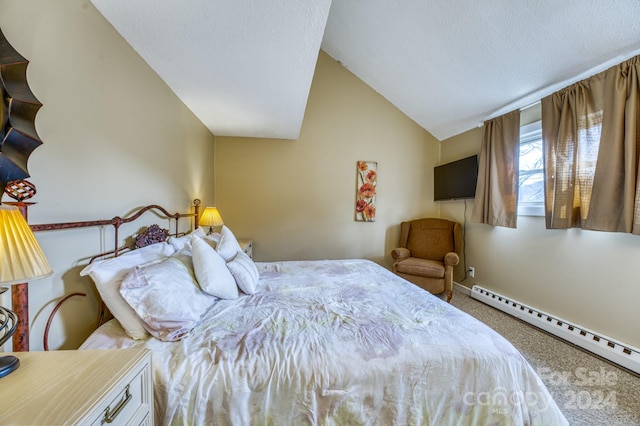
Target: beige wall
{"x":296,"y":199}
{"x":115,"y":137}
{"x":585,"y":277}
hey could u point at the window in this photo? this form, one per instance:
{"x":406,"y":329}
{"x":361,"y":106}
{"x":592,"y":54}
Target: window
{"x":531,"y":172}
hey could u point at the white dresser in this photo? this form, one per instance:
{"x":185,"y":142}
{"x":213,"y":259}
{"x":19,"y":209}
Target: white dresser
{"x":94,"y":387}
{"x":246,"y":246}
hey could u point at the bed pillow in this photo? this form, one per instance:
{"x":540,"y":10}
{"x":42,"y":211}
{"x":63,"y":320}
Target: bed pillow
{"x":228,"y":245}
{"x":166,"y":297}
{"x":211,"y":271}
{"x":213,"y":239}
{"x":184,"y":242}
{"x":108,"y":274}
{"x":245,"y":272}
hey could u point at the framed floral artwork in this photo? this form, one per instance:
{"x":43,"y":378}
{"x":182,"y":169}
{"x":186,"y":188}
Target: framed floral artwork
{"x":366,"y":181}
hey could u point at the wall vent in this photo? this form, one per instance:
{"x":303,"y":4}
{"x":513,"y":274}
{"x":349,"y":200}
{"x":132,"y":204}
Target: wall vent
{"x":622,"y":354}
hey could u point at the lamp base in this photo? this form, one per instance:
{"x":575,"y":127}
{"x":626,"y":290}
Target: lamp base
{"x":8,"y":364}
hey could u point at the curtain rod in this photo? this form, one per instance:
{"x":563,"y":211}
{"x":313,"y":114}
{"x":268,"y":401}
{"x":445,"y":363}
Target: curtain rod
{"x":565,"y":83}
{"x":530,"y":105}
{"x":521,"y":109}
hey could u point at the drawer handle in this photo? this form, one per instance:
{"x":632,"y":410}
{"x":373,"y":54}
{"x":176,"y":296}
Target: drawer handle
{"x":109,"y":416}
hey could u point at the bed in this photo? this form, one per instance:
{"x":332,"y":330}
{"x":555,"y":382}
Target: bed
{"x":325,"y":342}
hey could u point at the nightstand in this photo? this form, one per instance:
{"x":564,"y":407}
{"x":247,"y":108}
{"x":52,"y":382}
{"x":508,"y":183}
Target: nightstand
{"x":247,"y":247}
{"x":79,"y":387}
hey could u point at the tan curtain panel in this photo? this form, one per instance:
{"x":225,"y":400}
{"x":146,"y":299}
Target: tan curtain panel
{"x":590,"y":136}
{"x":496,"y":200}
{"x":571,"y":122}
{"x":616,"y":184}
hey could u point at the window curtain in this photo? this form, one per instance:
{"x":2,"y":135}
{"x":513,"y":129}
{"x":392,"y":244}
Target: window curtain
{"x":591,"y":143}
{"x":496,"y":199}
{"x":616,"y":184}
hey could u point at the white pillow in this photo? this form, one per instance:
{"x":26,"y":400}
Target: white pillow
{"x":245,"y":272}
{"x":211,"y":271}
{"x":184,"y":242}
{"x":184,"y":256}
{"x":228,"y":245}
{"x":166,"y":297}
{"x":108,"y":274}
{"x":213,"y":239}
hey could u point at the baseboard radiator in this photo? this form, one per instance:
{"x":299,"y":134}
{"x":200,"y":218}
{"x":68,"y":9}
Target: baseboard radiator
{"x":606,"y":347}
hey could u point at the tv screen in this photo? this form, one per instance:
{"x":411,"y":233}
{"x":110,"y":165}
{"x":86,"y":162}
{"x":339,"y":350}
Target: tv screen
{"x":455,"y":180}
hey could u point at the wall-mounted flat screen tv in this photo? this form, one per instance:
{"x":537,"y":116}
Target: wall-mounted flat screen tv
{"x":455,"y":180}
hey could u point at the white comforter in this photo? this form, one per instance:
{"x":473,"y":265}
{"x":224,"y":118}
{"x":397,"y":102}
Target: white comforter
{"x":339,"y":343}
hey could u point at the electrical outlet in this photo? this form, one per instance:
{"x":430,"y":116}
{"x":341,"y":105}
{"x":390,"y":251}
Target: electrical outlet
{"x":472,"y":271}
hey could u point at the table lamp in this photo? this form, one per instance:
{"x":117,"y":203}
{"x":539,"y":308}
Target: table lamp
{"x":211,"y":218}
{"x":21,"y":260}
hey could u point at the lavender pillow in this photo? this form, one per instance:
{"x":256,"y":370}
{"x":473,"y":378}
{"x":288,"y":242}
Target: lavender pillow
{"x":166,"y":297}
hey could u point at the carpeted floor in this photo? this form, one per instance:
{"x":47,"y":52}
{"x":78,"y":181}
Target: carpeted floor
{"x":588,"y":389}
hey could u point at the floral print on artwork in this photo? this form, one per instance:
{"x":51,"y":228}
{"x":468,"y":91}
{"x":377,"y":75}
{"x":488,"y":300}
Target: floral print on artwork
{"x":366,"y":181}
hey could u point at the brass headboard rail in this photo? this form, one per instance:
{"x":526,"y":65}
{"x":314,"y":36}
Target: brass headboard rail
{"x":117,"y":221}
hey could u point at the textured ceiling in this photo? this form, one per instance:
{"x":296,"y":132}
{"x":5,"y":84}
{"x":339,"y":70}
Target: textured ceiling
{"x":451,"y":64}
{"x":245,"y":67}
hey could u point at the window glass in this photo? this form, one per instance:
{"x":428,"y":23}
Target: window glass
{"x":531,"y":173}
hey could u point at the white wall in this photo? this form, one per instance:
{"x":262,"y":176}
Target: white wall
{"x":586,"y":277}
{"x":115,"y":137}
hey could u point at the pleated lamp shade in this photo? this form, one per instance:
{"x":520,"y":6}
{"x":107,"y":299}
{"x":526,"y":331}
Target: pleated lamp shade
{"x":211,"y":217}
{"x":21,"y":258}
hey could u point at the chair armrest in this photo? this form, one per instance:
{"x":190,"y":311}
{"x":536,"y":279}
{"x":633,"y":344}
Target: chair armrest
{"x":400,"y":253}
{"x":451,"y":259}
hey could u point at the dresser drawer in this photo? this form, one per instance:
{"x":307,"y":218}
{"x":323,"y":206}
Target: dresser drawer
{"x":129,"y":403}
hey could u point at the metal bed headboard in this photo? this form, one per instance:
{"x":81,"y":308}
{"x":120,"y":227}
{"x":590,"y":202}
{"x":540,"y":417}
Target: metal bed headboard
{"x":117,"y":221}
{"x":152,"y":235}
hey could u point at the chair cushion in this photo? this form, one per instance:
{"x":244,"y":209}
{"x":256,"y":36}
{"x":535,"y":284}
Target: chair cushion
{"x":423,"y":267}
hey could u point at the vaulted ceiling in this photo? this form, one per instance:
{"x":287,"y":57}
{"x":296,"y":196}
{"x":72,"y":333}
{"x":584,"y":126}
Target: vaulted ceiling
{"x":245,"y":67}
